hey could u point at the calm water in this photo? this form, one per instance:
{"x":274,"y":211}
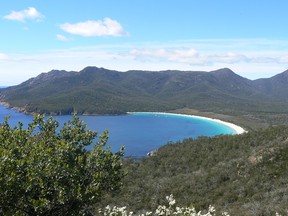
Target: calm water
{"x":138,"y":132}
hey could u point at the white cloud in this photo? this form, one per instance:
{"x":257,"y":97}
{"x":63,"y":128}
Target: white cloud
{"x":178,"y":55}
{"x":265,"y":59}
{"x":214,"y":52}
{"x":107,"y":27}
{"x":61,"y":37}
{"x":190,"y":56}
{"x":3,"y":56}
{"x":283,"y":59}
{"x":30,"y":13}
{"x":229,"y":58}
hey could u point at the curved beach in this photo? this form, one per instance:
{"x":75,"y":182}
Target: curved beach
{"x":236,"y":128}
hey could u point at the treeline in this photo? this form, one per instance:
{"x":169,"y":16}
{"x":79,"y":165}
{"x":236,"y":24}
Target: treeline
{"x":242,"y":175}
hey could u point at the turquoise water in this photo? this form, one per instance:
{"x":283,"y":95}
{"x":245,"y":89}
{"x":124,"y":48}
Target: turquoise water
{"x":138,"y":132}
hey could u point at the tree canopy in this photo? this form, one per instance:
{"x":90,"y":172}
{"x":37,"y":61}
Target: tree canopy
{"x":46,"y":170}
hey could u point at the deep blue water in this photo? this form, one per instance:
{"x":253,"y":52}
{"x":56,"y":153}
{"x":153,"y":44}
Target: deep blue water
{"x":138,"y":132}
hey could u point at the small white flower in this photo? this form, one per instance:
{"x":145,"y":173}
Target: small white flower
{"x":163,"y":210}
{"x":171,"y":200}
{"x":211,"y":209}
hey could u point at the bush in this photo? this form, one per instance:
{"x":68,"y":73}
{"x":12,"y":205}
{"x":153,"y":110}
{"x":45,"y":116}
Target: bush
{"x":47,"y":171}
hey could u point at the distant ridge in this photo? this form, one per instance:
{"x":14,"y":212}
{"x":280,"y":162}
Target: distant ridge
{"x":276,"y":86}
{"x":96,"y":90}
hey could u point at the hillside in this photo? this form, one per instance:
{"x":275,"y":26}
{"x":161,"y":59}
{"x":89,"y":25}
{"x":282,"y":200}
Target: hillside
{"x":243,"y":174}
{"x":276,"y":86}
{"x":100,"y":91}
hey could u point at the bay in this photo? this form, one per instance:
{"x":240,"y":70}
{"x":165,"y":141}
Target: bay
{"x":140,"y":132}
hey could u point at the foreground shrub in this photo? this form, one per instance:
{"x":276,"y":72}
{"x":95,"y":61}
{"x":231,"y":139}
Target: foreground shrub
{"x":47,"y":171}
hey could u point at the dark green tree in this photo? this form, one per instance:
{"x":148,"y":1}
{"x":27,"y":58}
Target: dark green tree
{"x":46,"y":170}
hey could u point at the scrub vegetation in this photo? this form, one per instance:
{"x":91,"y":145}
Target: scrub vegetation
{"x":239,"y":174}
{"x":47,"y":171}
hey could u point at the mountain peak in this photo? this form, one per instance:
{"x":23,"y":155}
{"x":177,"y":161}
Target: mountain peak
{"x":47,"y":76}
{"x":223,"y":71}
{"x":91,"y":68}
{"x":226,"y":73}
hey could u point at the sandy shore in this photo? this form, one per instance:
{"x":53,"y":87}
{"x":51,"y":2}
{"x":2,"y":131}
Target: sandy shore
{"x":236,"y":128}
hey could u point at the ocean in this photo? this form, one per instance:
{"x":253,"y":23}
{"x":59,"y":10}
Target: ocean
{"x":140,"y":132}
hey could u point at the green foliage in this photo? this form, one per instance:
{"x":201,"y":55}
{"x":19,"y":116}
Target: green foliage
{"x":45,"y":170}
{"x":242,"y":174}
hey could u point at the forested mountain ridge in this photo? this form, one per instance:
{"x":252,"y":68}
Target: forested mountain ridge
{"x":100,"y":91}
{"x":276,"y":86}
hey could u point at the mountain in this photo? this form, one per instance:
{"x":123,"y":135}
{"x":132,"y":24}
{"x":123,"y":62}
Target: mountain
{"x":100,"y":91}
{"x":276,"y":86}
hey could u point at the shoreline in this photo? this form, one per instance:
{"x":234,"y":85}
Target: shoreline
{"x":236,"y":128}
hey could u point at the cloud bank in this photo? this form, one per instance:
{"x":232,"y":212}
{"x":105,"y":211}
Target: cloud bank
{"x":246,"y":57}
{"x":190,"y":56}
{"x":208,"y":52}
{"x":30,"y":13}
{"x":90,"y":28}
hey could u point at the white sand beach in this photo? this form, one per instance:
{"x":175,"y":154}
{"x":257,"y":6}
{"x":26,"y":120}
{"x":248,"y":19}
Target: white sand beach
{"x":236,"y":128}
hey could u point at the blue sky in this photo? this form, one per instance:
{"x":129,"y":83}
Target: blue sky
{"x":248,"y":36}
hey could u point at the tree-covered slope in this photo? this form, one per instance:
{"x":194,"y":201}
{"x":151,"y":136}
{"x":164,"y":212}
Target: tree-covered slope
{"x":276,"y":86}
{"x":100,"y":91}
{"x":243,"y":174}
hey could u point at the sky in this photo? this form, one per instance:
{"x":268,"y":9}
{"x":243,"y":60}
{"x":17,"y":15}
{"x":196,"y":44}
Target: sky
{"x":249,"y":36}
